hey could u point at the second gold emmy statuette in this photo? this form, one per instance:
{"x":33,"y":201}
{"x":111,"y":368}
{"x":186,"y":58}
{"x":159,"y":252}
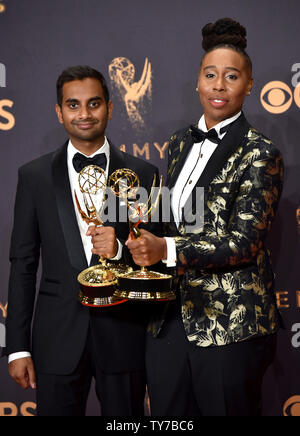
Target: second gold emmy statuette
{"x":143,"y":284}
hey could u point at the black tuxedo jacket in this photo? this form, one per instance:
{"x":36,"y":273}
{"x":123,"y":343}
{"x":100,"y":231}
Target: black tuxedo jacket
{"x":45,"y":227}
{"x":225,"y":277}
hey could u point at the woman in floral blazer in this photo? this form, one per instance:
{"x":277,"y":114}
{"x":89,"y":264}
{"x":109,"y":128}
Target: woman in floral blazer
{"x":208,"y":351}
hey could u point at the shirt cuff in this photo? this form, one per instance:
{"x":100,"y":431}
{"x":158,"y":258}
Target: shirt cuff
{"x":119,"y":252}
{"x":20,"y":355}
{"x":171,"y":253}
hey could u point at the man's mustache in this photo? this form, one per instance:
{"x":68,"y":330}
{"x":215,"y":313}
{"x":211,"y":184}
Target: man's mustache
{"x":87,"y":121}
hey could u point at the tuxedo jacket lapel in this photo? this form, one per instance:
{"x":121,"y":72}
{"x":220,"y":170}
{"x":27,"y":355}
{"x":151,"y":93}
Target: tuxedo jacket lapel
{"x":116,"y":159}
{"x":227,"y":146}
{"x":66,"y":212}
{"x":184,"y":148}
{"x":225,"y":149}
{"x":231,"y":141}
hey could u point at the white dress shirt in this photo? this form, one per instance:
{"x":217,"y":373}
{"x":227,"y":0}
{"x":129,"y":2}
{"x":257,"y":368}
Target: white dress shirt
{"x":191,"y":171}
{"x":86,"y":240}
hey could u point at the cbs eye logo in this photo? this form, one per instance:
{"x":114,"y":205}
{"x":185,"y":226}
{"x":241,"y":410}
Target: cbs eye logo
{"x":292,"y":406}
{"x":277,"y":97}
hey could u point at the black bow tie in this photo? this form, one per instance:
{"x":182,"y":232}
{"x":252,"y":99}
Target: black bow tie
{"x":200,"y":136}
{"x":80,"y":161}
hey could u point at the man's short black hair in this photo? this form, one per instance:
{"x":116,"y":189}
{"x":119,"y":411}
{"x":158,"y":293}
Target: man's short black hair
{"x":79,"y":72}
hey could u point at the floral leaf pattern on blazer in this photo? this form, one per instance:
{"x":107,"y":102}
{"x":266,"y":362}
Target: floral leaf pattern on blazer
{"x":224,"y":272}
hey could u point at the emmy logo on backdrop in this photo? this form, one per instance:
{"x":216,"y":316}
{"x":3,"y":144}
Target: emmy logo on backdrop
{"x":133,"y":93}
{"x":2,"y":8}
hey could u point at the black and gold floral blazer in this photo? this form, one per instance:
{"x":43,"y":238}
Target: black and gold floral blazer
{"x":224,"y":271}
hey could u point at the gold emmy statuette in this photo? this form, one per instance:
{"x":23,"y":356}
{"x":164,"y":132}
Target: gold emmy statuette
{"x":143,"y":284}
{"x":98,"y":283}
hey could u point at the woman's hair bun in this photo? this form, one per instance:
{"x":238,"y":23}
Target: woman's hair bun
{"x":225,"y":31}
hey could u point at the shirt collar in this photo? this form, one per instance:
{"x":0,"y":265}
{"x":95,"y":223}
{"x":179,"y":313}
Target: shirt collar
{"x":218,"y":127}
{"x":104,"y":149}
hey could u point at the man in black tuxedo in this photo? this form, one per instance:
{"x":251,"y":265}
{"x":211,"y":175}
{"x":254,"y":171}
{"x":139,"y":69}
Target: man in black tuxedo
{"x":71,"y":343}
